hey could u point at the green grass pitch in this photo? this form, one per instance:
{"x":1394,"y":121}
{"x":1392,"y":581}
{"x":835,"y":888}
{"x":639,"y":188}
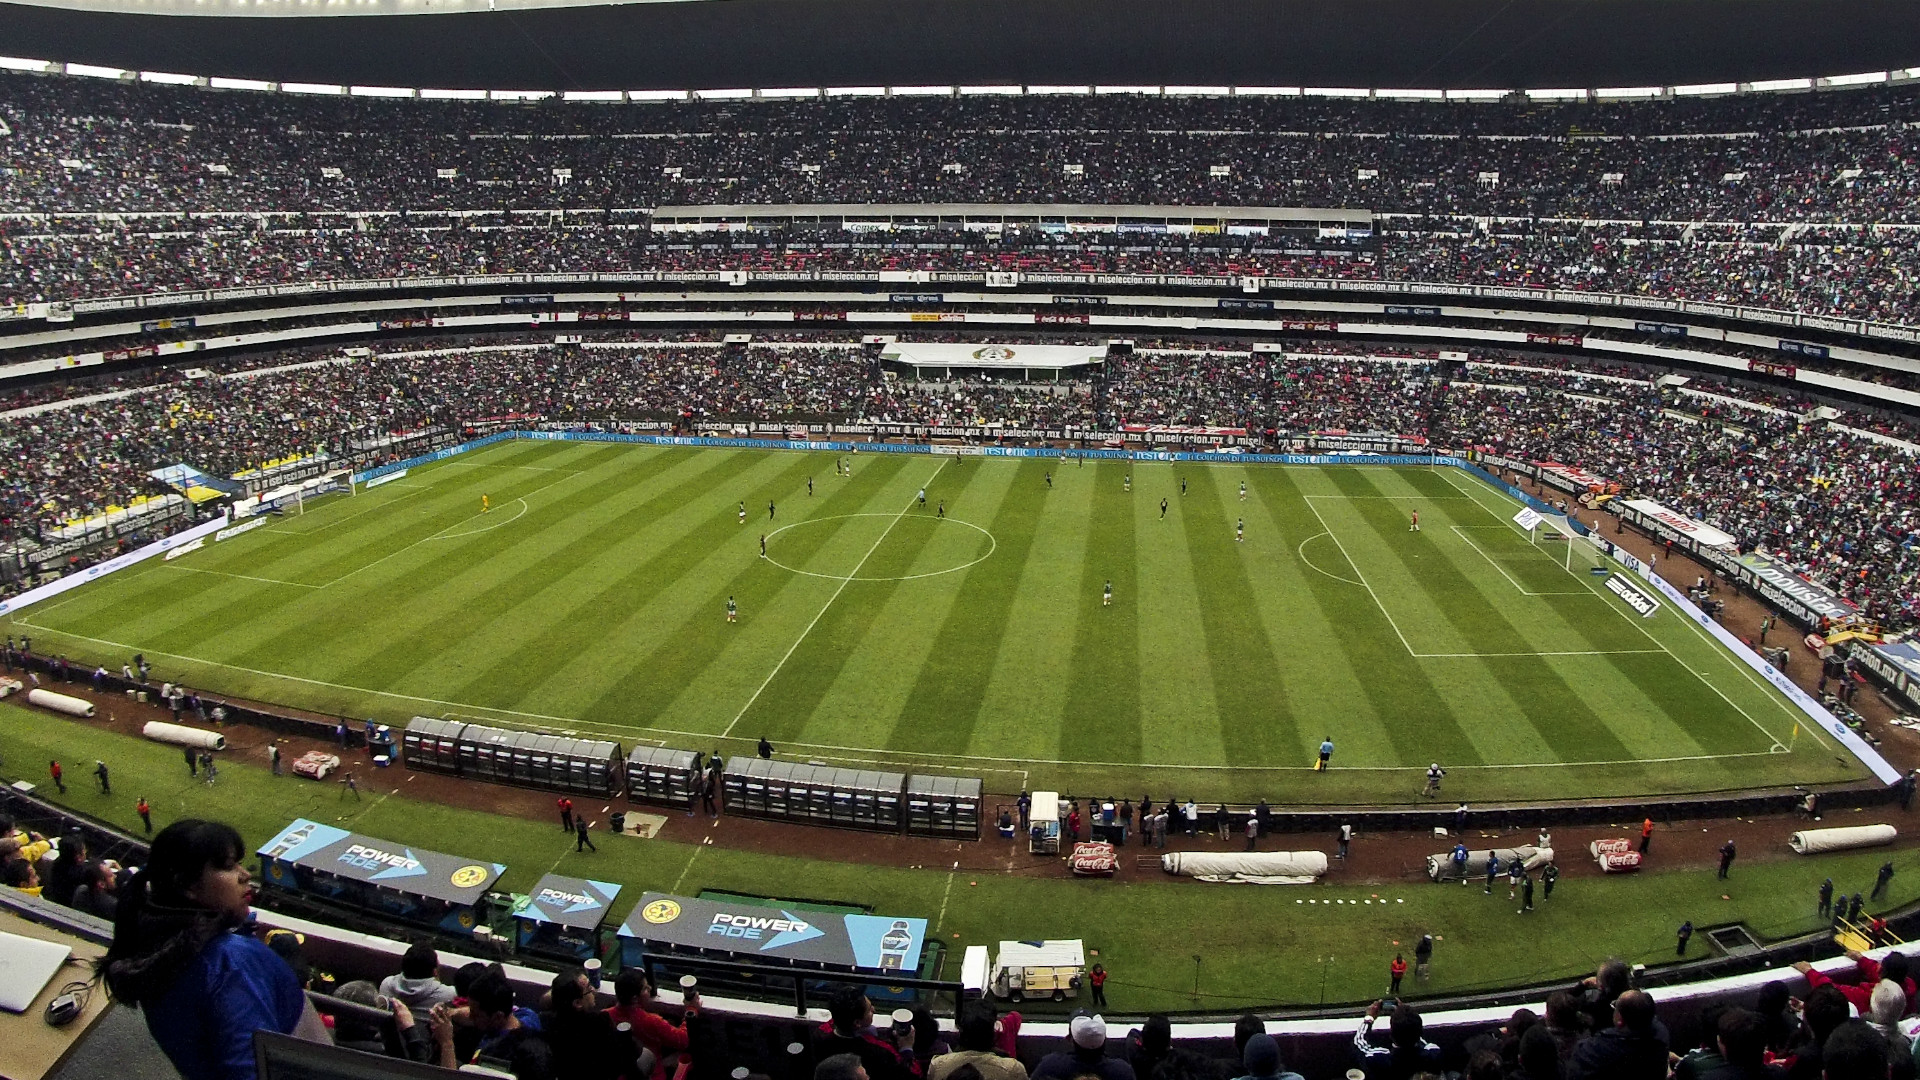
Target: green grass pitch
{"x":591,"y":598}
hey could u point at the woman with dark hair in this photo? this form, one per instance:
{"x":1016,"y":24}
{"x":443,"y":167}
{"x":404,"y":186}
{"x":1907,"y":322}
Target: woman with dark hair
{"x":204,"y":988}
{"x":69,"y":869}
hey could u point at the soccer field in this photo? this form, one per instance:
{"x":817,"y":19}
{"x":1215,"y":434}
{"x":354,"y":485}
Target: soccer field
{"x":592,"y":598}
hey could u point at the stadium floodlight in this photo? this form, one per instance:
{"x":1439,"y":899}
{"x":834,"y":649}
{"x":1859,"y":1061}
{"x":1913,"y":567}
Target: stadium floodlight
{"x":439,"y":94}
{"x":1336,"y":91}
{"x":95,"y":71}
{"x":1705,"y":89}
{"x":593,"y":95}
{"x":658,"y":95}
{"x":168,"y":77}
{"x":1783,"y":84}
{"x":382,"y":91}
{"x":1412,"y":95}
{"x":1127,"y":89}
{"x":21,"y":63}
{"x":312,"y":88}
{"x":520,"y":95}
{"x":921,"y":91}
{"x":221,"y":82}
{"x":1860,"y":79}
{"x":791,"y":92}
{"x":1001,"y":90}
{"x":1266,"y":91}
{"x":722,"y":95}
{"x":1567,"y":94}
{"x":1615,"y":92}
{"x":1047,"y":90}
{"x":1475,"y":95}
{"x":856,"y":91}
{"x":1199,"y":91}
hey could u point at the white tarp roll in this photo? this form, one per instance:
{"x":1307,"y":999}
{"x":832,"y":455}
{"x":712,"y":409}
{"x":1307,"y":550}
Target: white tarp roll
{"x":182,"y":735}
{"x":1440,"y":867}
{"x":1815,"y":841}
{"x":72,"y":706}
{"x":1256,"y":867}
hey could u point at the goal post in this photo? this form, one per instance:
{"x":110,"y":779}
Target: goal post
{"x":1577,"y":553}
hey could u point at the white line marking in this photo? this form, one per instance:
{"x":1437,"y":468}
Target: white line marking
{"x":1633,"y":621}
{"x":940,"y":920}
{"x":791,"y":649}
{"x":992,"y":546}
{"x":444,"y":535}
{"x":601,"y":729}
{"x":242,"y":577}
{"x":1363,"y":578}
{"x":684,"y":871}
{"x":1459,"y":529}
{"x":1301,"y":551}
{"x":438,"y":536}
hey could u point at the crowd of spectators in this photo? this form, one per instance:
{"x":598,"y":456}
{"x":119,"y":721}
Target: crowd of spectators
{"x":177,"y":188}
{"x":188,"y":955}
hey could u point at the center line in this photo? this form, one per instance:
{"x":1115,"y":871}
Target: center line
{"x":823,"y":608}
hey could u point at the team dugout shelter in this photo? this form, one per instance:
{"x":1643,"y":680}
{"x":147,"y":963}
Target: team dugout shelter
{"x":774,"y":934}
{"x":566,"y":918}
{"x":345,"y":869}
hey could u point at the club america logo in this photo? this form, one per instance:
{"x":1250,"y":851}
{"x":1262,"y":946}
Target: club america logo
{"x":993,"y":354}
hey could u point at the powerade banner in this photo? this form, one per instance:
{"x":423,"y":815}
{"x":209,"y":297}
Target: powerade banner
{"x":568,"y":901}
{"x":871,"y":942}
{"x":416,"y":871}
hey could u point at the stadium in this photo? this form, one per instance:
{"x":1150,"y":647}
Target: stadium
{"x":946,"y":522}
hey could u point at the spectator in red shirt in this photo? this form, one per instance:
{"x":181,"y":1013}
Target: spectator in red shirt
{"x":1867,"y":973}
{"x":634,"y":1004}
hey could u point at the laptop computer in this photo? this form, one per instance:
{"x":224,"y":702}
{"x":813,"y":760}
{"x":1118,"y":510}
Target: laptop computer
{"x":26,"y":966}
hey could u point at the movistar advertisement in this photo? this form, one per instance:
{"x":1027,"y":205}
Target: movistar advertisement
{"x":867,"y":942}
{"x":327,"y":850}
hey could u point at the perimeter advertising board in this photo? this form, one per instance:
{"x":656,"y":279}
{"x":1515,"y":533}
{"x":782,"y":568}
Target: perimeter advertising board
{"x":755,"y":933}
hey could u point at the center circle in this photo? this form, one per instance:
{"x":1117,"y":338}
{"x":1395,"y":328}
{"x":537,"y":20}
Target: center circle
{"x":992,"y":545}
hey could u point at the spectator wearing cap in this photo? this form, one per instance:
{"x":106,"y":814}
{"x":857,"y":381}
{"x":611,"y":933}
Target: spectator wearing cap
{"x":1261,"y":1060}
{"x":358,"y":1031}
{"x":1085,"y":1054}
{"x":1634,"y":1048}
{"x":975,"y":1040}
{"x":1406,"y":1054}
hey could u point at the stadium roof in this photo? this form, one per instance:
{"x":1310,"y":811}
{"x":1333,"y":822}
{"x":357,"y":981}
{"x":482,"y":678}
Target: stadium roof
{"x":570,"y":45}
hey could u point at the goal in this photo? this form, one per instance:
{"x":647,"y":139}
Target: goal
{"x":1579,"y":554}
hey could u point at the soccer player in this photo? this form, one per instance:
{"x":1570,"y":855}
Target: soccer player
{"x":1106,"y":598}
{"x":1326,"y":753}
{"x":743,"y":511}
{"x":1126,"y":482}
{"x":943,"y":509}
{"x":923,"y":498}
{"x":769,"y":509}
{"x":486,"y":504}
{"x":1239,"y":530}
{"x":1049,"y":479}
{"x":1163,"y":509}
{"x":1183,"y":485}
{"x":733,"y":613}
{"x":763,"y":545}
{"x":1243,"y":491}
{"x":809,"y":487}
{"x":1434,"y":773}
{"x":1415,"y":527}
